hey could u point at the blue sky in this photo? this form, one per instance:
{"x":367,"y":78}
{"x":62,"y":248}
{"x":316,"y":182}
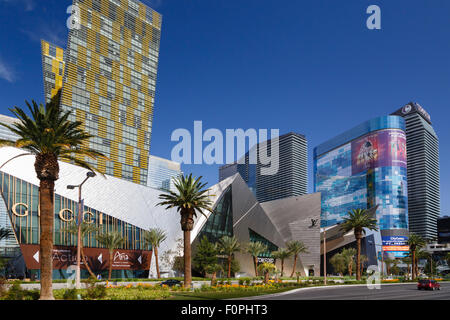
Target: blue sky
{"x":306,"y":66}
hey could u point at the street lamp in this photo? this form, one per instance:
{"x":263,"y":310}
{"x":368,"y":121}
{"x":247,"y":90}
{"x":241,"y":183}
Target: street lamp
{"x":325,"y":255}
{"x":90,"y":174}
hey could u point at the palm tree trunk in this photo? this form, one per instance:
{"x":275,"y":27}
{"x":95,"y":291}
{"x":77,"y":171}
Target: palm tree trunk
{"x":413,"y":269}
{"x":85,"y":261}
{"x":46,"y":207}
{"x":110,"y":263}
{"x":157,"y":264}
{"x":187,"y":259}
{"x":229,"y":266}
{"x":150,"y":263}
{"x":358,"y":259}
{"x":266,"y":277}
{"x":282,"y":267}
{"x":255,"y":264}
{"x":295,"y":265}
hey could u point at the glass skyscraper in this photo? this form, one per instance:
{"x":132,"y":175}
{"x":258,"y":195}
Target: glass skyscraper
{"x":109,"y":81}
{"x":52,"y":69}
{"x":364,"y":167}
{"x":292,"y":176}
{"x":423,"y":171}
{"x":161,"y":173}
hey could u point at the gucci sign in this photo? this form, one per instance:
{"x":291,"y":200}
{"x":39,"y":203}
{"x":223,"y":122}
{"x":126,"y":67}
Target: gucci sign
{"x":67,"y":217}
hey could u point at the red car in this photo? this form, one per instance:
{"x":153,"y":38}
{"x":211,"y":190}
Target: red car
{"x":428,"y":285}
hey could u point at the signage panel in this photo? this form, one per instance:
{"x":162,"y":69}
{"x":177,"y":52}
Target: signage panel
{"x":380,"y":149}
{"x":98,"y":258}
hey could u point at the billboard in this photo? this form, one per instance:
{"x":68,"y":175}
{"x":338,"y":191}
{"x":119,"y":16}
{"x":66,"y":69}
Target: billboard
{"x":385,"y":148}
{"x":396,"y":245}
{"x":97,"y":258}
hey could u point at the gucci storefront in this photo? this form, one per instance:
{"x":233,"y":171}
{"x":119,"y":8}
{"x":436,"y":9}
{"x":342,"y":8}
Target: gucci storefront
{"x":20,"y":199}
{"x":109,"y":203}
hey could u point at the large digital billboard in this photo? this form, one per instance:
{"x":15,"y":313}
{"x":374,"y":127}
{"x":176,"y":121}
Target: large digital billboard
{"x":385,"y":148}
{"x":396,"y":245}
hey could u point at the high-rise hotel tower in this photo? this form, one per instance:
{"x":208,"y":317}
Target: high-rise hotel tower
{"x":423,"y":171}
{"x":110,"y":69}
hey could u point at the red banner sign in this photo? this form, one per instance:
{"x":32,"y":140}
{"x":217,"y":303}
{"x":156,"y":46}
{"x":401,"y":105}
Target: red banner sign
{"x":98,"y":259}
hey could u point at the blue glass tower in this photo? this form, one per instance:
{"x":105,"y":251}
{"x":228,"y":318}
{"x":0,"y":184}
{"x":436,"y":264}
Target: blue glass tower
{"x":364,"y":167}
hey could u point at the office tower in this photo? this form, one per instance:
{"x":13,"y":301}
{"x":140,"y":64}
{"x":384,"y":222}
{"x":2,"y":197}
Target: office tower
{"x":364,"y":167}
{"x":227,"y":170}
{"x":161,"y":173}
{"x":423,"y":171}
{"x":443,"y":229}
{"x":109,"y":82}
{"x":52,"y":69}
{"x":292,"y":176}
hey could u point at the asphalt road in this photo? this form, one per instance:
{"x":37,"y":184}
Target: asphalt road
{"x":386,"y":292}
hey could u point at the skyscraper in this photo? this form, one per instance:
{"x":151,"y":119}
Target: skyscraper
{"x":423,"y":170}
{"x":109,"y":82}
{"x":52,"y":69}
{"x":292,"y":176}
{"x":362,"y":168}
{"x":161,"y":173}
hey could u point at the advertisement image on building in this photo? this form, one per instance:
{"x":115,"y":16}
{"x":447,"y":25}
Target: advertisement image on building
{"x":362,"y":168}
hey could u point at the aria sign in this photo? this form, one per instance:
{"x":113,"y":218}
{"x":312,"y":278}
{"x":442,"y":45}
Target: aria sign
{"x":66,"y":217}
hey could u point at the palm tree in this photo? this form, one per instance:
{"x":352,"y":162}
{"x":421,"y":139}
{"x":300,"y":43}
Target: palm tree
{"x":363,"y":260}
{"x":348,"y":255}
{"x":407,"y":261}
{"x":191,"y":197}
{"x":49,"y":136}
{"x":358,"y":220}
{"x":388,"y":263}
{"x":228,"y":246}
{"x":155,"y":237}
{"x":255,"y":249}
{"x":86,"y":228}
{"x":5,"y":233}
{"x":266,"y":268}
{"x":415,"y":242}
{"x":420,"y":255}
{"x":112,"y":241}
{"x":296,"y":247}
{"x":282,"y":254}
{"x":213,"y":269}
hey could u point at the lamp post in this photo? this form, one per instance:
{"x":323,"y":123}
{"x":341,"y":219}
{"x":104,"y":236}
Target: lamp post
{"x":90,"y":174}
{"x":325,"y":255}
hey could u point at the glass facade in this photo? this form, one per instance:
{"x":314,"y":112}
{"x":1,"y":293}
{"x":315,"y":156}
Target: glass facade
{"x":52,"y":69}
{"x":362,"y":168}
{"x":109,"y":82}
{"x":21,"y":200}
{"x":161,"y":173}
{"x":255,"y":237}
{"x":291,"y":178}
{"x":220,"y":222}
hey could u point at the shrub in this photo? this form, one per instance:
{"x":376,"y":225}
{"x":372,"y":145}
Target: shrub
{"x":15,"y":292}
{"x":94,"y":290}
{"x":70,"y":294}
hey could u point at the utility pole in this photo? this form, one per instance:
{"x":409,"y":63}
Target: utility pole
{"x":90,"y":174}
